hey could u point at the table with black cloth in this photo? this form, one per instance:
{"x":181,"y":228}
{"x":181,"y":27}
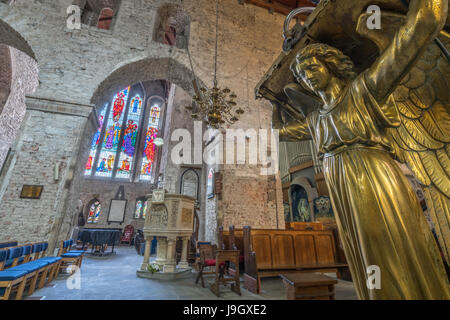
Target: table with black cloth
{"x":100,"y":238}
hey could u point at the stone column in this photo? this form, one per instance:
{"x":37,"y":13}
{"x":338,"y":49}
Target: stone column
{"x":184,"y":251}
{"x":148,"y":244}
{"x":171,"y":261}
{"x":161,"y":251}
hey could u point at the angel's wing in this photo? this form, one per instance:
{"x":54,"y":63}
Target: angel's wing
{"x":423,"y":139}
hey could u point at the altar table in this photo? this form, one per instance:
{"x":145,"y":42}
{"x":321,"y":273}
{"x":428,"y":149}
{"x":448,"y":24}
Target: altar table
{"x":100,"y":237}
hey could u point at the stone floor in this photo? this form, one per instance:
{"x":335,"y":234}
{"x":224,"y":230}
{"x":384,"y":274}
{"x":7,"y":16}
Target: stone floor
{"x":114,"y":278}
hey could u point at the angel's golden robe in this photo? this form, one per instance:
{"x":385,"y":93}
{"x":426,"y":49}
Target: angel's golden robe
{"x":378,"y":214}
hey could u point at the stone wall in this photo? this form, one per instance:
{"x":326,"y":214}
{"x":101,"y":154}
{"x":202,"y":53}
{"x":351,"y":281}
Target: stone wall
{"x":19,"y":77}
{"x":104,"y":191}
{"x":38,"y":150}
{"x":88,"y":65}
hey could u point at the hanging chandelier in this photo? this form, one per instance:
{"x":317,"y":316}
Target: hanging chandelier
{"x":215,"y":106}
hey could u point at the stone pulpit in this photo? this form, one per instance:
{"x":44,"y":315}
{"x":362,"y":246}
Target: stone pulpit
{"x":169,"y":217}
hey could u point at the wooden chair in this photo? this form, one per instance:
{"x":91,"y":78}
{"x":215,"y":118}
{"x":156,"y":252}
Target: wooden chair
{"x":69,"y":257}
{"x":206,"y":259}
{"x":127,"y":234}
{"x":225,"y":258}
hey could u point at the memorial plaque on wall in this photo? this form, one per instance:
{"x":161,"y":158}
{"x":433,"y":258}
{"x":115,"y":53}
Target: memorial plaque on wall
{"x":217,"y":183}
{"x":117,"y":211}
{"x":31,"y":192}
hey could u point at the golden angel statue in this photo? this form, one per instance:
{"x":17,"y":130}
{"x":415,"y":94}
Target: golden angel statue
{"x":395,"y":109}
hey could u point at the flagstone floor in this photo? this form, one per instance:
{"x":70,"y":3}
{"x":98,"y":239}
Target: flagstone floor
{"x":114,"y":278}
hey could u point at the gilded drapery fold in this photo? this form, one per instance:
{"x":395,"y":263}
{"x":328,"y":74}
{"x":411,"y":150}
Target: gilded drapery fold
{"x":378,"y":227}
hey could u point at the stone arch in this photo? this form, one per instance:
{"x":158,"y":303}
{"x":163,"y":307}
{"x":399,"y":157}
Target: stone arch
{"x":311,"y":192}
{"x":172,"y":26}
{"x":144,"y":70}
{"x":18,"y":77}
{"x":5,"y":75}
{"x":12,"y":38}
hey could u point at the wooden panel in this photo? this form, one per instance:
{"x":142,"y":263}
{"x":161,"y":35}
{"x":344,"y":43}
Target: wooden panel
{"x":305,"y":252}
{"x":283,"y":255}
{"x":325,"y":248}
{"x":262,"y":248}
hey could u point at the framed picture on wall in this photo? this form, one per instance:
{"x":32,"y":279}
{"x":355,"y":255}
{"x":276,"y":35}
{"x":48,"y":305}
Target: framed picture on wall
{"x":117,"y":211}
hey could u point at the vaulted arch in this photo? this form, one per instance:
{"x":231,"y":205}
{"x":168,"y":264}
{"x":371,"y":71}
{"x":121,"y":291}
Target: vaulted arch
{"x":10,"y":37}
{"x":146,"y":69}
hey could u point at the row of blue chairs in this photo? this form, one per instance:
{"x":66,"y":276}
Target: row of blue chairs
{"x":8,"y":244}
{"x":23,"y":266}
{"x":27,"y":266}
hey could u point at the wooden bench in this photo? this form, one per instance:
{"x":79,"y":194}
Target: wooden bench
{"x":269,"y":253}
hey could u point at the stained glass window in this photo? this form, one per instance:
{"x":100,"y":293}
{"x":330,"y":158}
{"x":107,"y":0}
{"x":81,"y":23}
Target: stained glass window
{"x":95,"y":143}
{"x":113,"y":130}
{"x":144,"y":210}
{"x":138,"y":211}
{"x":94,"y":212}
{"x":141,"y":208}
{"x":129,"y":139}
{"x":151,"y":133}
{"x":123,"y":139}
{"x":210,"y":184}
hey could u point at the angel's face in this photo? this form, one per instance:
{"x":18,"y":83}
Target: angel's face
{"x":314,"y":74}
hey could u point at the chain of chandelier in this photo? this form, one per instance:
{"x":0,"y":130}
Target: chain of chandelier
{"x":214,"y":105}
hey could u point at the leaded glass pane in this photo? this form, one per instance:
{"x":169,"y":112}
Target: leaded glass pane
{"x":94,"y":212}
{"x":95,"y":144}
{"x":113,"y":130}
{"x":149,"y":149}
{"x":129,"y":139}
{"x":137,"y":213}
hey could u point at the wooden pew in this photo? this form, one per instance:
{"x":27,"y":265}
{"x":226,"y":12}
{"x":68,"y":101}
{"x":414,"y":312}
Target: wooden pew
{"x":304,"y":226}
{"x":268,"y":253}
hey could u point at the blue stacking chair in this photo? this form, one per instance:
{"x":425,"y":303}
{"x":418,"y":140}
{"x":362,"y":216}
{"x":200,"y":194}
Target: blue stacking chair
{"x":13,"y":256}
{"x":26,"y":254}
{"x":44,"y":249}
{"x":54,"y":262}
{"x":73,"y":251}
{"x":36,"y":251}
{"x":9,"y":280}
{"x":69,"y":258}
{"x":13,"y":277}
{"x":36,"y":269}
{"x":8,"y":244}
